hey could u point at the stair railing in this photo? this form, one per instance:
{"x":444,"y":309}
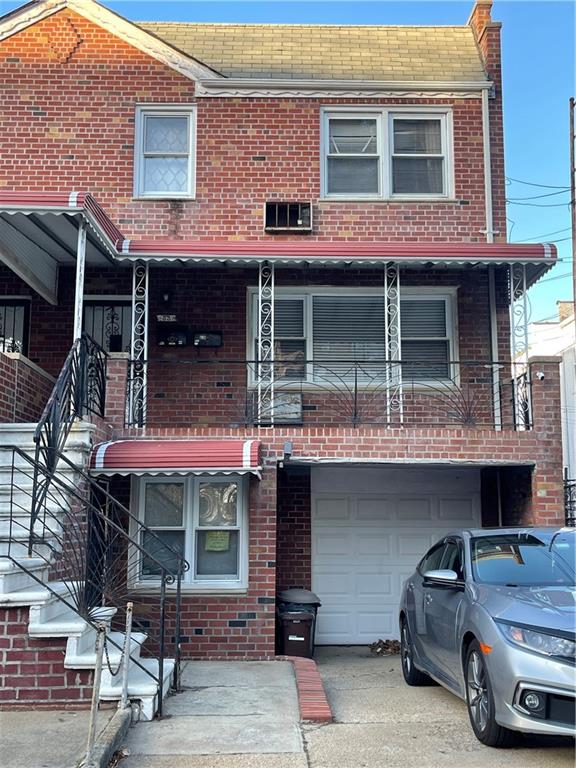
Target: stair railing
{"x":80,"y":389}
{"x":100,"y":555}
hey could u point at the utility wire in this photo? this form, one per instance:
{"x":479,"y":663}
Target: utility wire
{"x":545,"y":234}
{"x":538,"y":197}
{"x":539,"y":205}
{"x":534,"y":184}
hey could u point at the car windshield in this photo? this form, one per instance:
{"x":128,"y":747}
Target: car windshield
{"x":524,"y":560}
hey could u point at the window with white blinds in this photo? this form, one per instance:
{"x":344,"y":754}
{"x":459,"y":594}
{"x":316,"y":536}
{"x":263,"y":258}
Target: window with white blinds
{"x":425,"y":340}
{"x":336,"y":332}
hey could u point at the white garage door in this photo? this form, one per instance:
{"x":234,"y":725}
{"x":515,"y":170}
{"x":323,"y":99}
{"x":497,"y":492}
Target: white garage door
{"x":370,"y":527}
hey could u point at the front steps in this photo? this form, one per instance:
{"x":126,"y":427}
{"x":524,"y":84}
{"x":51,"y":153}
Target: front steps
{"x":47,"y":651}
{"x":70,"y":649}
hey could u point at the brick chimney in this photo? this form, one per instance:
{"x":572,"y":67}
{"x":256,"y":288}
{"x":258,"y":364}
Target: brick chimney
{"x":487,"y":35}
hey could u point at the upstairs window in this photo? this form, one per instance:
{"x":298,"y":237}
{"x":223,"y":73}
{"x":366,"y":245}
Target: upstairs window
{"x":165,"y":152}
{"x":353,"y":160}
{"x":417,"y":156}
{"x":385,"y":153}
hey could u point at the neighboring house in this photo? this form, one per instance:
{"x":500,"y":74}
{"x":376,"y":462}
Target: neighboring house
{"x":558,"y":338}
{"x":291,"y":241}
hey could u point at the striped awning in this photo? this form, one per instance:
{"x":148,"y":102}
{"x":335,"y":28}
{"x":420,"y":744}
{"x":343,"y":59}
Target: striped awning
{"x":176,"y":457}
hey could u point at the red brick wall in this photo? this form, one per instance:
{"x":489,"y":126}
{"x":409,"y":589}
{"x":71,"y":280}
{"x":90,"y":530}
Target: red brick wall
{"x":293,"y":545}
{"x":89,"y":146}
{"x":24,"y":391}
{"x":32,"y":672}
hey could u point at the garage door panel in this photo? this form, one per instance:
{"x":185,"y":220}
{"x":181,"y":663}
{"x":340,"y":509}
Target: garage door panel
{"x":372,"y":543}
{"x":374,"y":584}
{"x":334,"y":584}
{"x":335,"y":626}
{"x":414,"y":509}
{"x":414,"y":545}
{"x":330,"y":509}
{"x":331,"y":544}
{"x":374,"y":509}
{"x":372,"y":625}
{"x":460,"y":510}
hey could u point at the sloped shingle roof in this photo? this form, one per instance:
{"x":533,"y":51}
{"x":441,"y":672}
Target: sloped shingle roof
{"x":321,"y":52}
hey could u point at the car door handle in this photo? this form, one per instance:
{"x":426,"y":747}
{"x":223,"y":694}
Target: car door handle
{"x":428,"y":598}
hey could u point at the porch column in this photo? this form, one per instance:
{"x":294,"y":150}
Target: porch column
{"x":80,"y":270}
{"x":494,"y":352}
{"x":519,"y":346}
{"x":394,"y":398}
{"x":265,"y":362}
{"x":137,"y":375}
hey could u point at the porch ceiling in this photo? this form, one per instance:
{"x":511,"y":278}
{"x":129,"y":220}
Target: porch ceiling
{"x":38,"y":231}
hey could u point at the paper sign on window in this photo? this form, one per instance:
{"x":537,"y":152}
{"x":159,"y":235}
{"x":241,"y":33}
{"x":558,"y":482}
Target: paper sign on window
{"x":217,"y":541}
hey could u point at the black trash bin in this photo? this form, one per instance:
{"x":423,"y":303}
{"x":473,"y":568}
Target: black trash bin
{"x":301,"y":602}
{"x":296,"y":633}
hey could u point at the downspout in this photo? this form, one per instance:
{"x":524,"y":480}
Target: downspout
{"x":496,"y":404}
{"x":487,"y":167}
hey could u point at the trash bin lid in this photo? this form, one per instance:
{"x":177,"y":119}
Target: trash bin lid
{"x":302,"y":596}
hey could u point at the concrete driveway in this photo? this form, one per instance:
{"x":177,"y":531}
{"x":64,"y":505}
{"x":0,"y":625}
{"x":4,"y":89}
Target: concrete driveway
{"x":383,"y":723}
{"x":245,"y":715}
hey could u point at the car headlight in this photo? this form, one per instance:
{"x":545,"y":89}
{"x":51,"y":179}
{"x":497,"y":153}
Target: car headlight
{"x":534,"y":639}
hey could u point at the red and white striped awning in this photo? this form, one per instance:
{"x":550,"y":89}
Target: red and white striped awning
{"x":176,"y":457}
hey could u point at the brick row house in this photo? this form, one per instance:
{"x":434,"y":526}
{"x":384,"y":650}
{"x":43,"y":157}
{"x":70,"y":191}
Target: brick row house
{"x":276,"y":257}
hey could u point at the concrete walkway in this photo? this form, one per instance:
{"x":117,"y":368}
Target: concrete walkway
{"x":232,"y":714}
{"x":383,"y":723}
{"x":45,"y":738}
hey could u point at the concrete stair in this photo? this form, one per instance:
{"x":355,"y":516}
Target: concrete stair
{"x":24,"y":580}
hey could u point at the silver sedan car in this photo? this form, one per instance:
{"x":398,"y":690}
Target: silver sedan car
{"x":490,"y":614}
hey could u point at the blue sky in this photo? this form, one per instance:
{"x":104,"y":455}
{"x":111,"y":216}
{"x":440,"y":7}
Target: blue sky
{"x":539,"y":71}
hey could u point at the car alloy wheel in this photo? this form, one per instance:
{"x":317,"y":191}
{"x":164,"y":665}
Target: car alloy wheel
{"x":411,"y":675}
{"x":477,"y":691}
{"x":480,"y":701}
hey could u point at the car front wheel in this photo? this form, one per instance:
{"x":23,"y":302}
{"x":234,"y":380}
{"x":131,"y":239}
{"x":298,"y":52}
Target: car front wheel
{"x":480,"y":701}
{"x":411,"y":675}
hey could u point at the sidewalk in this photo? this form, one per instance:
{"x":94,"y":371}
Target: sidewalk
{"x":45,"y":738}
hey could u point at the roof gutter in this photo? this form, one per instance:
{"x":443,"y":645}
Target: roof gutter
{"x":214,"y":86}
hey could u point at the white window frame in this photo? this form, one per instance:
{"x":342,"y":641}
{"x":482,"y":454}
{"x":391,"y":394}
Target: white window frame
{"x":164,"y":110}
{"x":191,"y":583}
{"x":448,"y":293}
{"x":385,"y":116}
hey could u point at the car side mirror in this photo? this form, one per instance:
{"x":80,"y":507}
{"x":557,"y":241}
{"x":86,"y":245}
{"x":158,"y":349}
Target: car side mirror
{"x":444,"y":578}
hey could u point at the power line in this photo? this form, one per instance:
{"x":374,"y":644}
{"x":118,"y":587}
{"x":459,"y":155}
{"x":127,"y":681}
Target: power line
{"x":539,"y":205}
{"x":539,"y":197}
{"x":534,"y":184}
{"x":546,"y":234}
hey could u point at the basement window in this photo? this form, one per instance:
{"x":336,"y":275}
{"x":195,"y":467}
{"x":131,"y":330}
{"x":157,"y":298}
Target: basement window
{"x":202,"y":518}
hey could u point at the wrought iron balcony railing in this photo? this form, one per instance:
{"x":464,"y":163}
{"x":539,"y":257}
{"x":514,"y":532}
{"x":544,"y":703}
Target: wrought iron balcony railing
{"x":424,"y":393}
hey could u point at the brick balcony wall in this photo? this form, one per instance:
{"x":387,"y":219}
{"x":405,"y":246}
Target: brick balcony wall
{"x":24,"y":389}
{"x":89,"y":146}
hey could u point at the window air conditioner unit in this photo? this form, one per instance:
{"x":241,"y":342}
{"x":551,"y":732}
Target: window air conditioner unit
{"x":288,"y":217}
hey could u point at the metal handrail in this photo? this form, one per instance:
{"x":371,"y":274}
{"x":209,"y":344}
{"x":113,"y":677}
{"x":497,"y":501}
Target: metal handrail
{"x":79,"y":389}
{"x":96,"y":546}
